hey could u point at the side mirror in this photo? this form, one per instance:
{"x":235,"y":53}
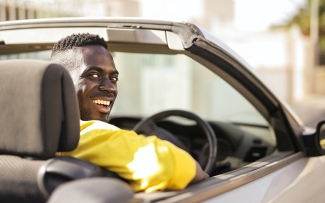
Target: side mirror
{"x":314,"y":143}
{"x":320,"y":132}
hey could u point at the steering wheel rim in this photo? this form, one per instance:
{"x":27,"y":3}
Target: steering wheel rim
{"x":148,"y":126}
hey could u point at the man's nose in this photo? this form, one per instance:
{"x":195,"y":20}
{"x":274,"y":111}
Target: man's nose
{"x":107,"y":85}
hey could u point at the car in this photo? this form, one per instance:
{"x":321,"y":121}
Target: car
{"x":174,"y":76}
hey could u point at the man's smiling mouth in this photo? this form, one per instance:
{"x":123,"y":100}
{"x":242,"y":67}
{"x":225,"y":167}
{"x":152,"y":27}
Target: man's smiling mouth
{"x":102,"y":105}
{"x":102,"y":102}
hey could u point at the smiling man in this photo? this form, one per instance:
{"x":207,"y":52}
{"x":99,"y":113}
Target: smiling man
{"x":150,"y":164}
{"x":97,"y":84}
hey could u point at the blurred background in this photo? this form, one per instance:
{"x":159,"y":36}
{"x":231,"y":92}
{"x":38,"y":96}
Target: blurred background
{"x":284,"y":40}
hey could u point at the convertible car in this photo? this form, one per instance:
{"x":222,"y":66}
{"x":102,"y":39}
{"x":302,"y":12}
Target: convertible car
{"x":176,"y":81}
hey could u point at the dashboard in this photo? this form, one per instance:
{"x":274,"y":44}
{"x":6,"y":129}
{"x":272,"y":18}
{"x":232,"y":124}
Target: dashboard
{"x":238,"y":144}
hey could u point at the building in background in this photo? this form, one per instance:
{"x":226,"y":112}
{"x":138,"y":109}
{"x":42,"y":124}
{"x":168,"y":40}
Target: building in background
{"x":30,"y":9}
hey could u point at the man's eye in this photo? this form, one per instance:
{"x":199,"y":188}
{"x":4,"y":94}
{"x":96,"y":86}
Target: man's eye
{"x":94,"y":75}
{"x":115,"y":79}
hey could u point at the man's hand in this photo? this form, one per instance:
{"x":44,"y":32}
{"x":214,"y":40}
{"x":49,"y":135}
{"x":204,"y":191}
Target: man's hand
{"x":200,"y":174}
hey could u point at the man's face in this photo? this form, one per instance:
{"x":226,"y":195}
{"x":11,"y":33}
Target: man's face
{"x":96,"y":82}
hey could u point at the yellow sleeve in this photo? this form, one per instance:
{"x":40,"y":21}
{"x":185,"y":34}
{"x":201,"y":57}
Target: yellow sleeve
{"x":150,"y":164}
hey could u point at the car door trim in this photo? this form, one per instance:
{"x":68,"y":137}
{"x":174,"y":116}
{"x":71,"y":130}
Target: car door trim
{"x":226,"y":182}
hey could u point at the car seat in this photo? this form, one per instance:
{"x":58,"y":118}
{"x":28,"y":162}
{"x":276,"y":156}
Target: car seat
{"x":39,"y":117}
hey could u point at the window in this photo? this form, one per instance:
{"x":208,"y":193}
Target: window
{"x":149,"y":83}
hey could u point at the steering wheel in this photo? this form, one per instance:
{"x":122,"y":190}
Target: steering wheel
{"x":148,"y":126}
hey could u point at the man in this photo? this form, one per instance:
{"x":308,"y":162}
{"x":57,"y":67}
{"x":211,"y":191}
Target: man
{"x":150,"y":164}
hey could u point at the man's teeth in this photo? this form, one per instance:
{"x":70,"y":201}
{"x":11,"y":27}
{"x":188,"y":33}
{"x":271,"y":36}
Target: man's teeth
{"x":102,"y":102}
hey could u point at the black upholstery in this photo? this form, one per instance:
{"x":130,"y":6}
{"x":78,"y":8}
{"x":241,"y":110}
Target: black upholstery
{"x":18,"y":180}
{"x":39,"y":109}
{"x":59,"y":170}
{"x":39,"y":116}
{"x":93,"y":190}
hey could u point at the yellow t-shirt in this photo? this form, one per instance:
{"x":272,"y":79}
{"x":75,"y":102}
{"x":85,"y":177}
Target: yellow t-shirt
{"x":150,"y":164}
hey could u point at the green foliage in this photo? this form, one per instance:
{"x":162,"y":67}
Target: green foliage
{"x":302,"y":19}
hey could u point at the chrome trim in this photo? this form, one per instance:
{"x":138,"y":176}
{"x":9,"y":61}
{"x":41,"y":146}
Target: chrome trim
{"x":86,"y":22}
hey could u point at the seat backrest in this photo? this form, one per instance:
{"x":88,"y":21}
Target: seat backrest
{"x":39,"y":116}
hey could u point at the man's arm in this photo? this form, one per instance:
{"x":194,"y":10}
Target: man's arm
{"x":200,"y":174}
{"x":150,"y":164}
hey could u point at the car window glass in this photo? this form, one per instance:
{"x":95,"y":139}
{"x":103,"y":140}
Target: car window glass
{"x":149,"y":83}
{"x":41,"y":55}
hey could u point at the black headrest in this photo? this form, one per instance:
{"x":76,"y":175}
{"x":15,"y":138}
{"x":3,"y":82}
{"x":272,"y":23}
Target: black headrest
{"x":39,"y":110}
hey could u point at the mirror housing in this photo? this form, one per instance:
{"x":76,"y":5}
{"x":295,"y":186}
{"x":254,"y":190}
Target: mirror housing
{"x":314,"y":143}
{"x":321,"y":135}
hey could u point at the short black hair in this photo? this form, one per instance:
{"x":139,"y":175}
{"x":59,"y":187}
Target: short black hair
{"x":78,"y":40}
{"x":62,"y":50}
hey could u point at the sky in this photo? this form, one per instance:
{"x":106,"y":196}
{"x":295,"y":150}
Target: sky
{"x":258,"y":15}
{"x":249,"y":15}
{"x":174,"y":10}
